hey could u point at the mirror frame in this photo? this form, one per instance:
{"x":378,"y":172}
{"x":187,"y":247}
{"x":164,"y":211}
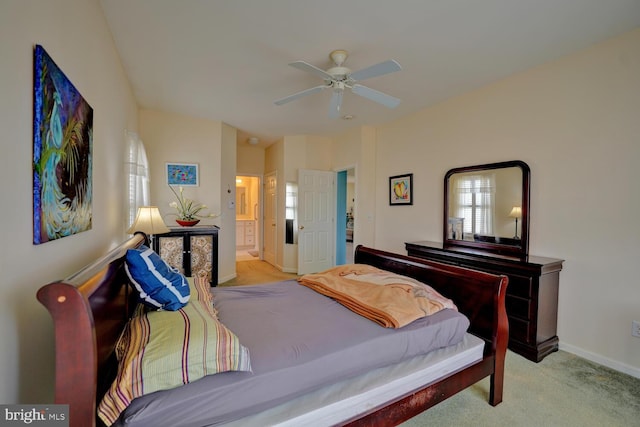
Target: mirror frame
{"x":512,"y":250}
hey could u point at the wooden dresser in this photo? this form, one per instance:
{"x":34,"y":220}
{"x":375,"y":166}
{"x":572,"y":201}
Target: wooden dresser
{"x":192,"y":250}
{"x":532,"y":293}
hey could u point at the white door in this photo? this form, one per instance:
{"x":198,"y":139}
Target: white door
{"x":270,"y":218}
{"x":316,"y":225}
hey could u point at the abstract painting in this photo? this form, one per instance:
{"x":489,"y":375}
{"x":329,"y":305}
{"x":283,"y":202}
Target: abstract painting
{"x":401,"y":189}
{"x":185,"y":174}
{"x":62,"y":154}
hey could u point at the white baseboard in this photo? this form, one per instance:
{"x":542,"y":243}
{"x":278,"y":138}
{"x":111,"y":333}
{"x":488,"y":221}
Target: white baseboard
{"x":604,"y":361}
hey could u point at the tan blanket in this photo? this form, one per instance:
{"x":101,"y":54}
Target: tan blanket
{"x":388,"y":299}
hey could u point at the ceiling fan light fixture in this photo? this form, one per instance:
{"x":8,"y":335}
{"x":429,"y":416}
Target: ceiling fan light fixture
{"x":338,"y":56}
{"x":339,"y":73}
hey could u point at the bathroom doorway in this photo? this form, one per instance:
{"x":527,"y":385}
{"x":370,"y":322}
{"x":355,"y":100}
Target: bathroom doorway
{"x":248,"y":224}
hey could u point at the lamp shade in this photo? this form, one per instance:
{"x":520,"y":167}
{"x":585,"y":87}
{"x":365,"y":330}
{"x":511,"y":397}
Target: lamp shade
{"x":516,"y":212}
{"x":149,"y":221}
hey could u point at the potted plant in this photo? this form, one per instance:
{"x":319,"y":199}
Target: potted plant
{"x":189,"y":212}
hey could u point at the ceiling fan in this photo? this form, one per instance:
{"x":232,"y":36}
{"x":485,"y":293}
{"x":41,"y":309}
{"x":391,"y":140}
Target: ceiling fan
{"x":340,"y":78}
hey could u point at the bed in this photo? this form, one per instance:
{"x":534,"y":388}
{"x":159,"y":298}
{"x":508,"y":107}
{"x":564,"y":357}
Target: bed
{"x":91,"y":308}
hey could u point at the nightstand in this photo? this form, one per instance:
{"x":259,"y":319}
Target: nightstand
{"x":192,"y":250}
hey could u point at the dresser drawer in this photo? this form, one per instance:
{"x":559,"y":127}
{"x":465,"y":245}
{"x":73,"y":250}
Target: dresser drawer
{"x":519,"y":330}
{"x":518,"y":307}
{"x":532,"y":293}
{"x":519,"y":286}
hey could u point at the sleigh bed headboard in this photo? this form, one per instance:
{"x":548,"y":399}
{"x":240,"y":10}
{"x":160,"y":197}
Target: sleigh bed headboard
{"x":92,"y":306}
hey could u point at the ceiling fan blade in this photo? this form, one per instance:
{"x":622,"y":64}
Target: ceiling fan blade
{"x":336,"y":103}
{"x":374,"y":95}
{"x":299,"y":94}
{"x":376,"y":70}
{"x":305,"y":66}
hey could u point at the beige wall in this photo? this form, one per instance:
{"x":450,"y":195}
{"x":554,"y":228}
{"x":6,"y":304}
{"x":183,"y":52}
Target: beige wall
{"x":75,"y":35}
{"x":250,"y":160}
{"x":173,"y":138}
{"x":170,"y":137}
{"x":226,"y":165}
{"x":576,"y":122}
{"x":357,"y":149}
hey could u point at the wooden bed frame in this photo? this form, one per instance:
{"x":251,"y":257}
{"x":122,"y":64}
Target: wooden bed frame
{"x":90,"y":308}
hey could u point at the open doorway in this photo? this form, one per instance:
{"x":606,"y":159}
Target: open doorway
{"x":345,"y":204}
{"x":248,"y":224}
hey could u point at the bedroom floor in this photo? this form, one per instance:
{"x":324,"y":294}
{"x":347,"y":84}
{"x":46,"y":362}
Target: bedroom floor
{"x":251,"y":270}
{"x":562,"y":390}
{"x":247,"y":255}
{"x":254,"y":272}
{"x":253,"y":255}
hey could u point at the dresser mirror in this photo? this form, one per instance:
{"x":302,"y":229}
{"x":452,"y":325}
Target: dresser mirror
{"x":486,"y":208}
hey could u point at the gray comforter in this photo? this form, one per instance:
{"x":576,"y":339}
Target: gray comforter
{"x":299,"y":341}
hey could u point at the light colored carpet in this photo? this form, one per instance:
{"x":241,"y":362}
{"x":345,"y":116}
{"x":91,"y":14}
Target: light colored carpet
{"x":561,"y":391}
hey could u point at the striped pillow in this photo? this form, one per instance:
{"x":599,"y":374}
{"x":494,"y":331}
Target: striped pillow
{"x":159,"y":350}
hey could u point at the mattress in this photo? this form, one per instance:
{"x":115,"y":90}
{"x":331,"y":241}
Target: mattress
{"x":299,"y":342}
{"x":339,"y":402}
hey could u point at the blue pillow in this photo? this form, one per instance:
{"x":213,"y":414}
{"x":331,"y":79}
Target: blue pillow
{"x":160,"y":286}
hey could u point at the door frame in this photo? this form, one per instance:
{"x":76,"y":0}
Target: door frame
{"x":341,"y":228}
{"x":257,"y":215}
{"x":266,"y":178}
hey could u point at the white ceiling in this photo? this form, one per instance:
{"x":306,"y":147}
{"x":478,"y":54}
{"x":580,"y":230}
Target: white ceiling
{"x":227,"y":59}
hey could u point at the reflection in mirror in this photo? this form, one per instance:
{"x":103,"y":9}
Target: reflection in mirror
{"x":241,"y":200}
{"x":486,"y":207}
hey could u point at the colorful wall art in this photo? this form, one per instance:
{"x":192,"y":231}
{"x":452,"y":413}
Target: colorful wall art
{"x":62,"y":160}
{"x":185,"y":174}
{"x":401,"y":189}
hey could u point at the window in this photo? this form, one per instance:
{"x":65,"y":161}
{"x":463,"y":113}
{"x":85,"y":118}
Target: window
{"x":291,"y":207}
{"x":137,"y":168}
{"x":476,"y":199}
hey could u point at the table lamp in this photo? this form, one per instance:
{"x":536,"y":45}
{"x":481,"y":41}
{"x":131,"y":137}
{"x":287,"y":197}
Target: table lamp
{"x":516,"y":213}
{"x":149,"y":221}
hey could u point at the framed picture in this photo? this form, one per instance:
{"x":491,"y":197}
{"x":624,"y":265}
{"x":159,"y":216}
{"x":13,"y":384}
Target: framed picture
{"x":401,"y":189}
{"x":184,"y":174}
{"x":62,"y":154}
